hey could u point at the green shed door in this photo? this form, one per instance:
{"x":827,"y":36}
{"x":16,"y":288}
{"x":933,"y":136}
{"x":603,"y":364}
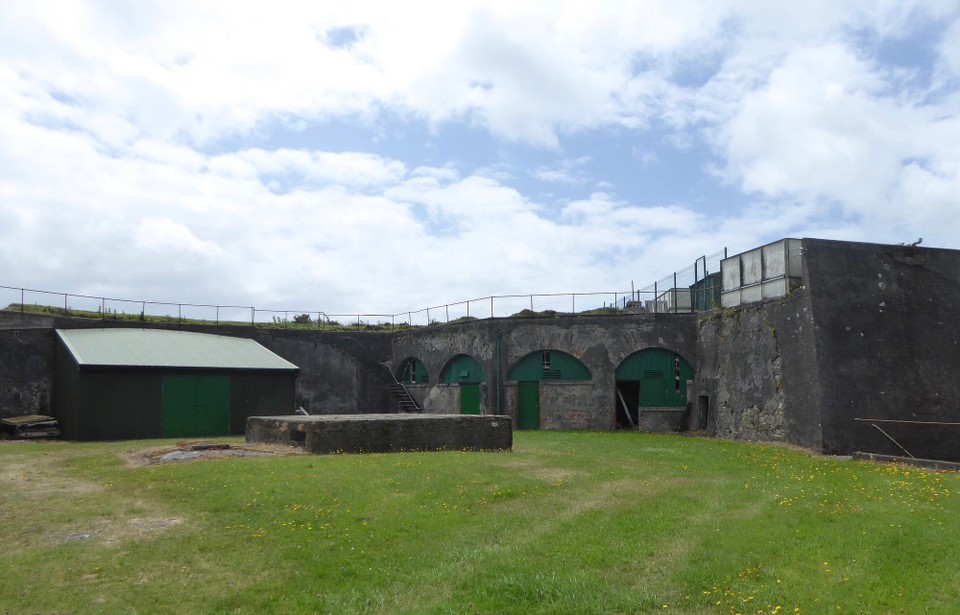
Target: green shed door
{"x":196,"y":405}
{"x":469,"y":398}
{"x":529,"y":398}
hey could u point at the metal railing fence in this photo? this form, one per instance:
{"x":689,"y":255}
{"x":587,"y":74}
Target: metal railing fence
{"x":690,"y":290}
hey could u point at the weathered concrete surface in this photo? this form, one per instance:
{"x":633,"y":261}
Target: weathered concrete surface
{"x":872,"y":334}
{"x":887,"y":345}
{"x":27,"y":366}
{"x":757,"y":369}
{"x":575,"y":405}
{"x":383,"y":433}
{"x":340,"y":373}
{"x":600,"y":342}
{"x":440,"y":399}
{"x":663,"y":419}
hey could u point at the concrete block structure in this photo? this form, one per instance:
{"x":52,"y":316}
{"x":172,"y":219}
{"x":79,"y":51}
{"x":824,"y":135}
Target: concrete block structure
{"x":383,"y":433}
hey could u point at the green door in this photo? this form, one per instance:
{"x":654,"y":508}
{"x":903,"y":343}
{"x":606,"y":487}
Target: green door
{"x":196,"y":405}
{"x":656,"y":389}
{"x":469,"y":398}
{"x":662,"y":375}
{"x":529,"y":394}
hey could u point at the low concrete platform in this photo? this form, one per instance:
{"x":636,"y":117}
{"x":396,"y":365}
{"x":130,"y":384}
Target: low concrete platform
{"x":931,"y":464}
{"x":384,"y":433}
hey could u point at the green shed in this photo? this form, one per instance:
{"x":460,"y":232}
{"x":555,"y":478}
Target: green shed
{"x":118,"y":384}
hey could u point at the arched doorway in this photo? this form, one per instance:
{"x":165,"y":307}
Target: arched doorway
{"x":531,"y":370}
{"x":653,"y":379}
{"x":413,"y":371}
{"x":466,"y":372}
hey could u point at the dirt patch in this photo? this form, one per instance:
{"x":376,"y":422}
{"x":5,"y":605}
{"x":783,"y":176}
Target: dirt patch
{"x":202,"y":450}
{"x":32,"y":477}
{"x":112,"y":532}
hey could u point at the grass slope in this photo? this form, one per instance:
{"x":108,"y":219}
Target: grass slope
{"x":566,"y":523}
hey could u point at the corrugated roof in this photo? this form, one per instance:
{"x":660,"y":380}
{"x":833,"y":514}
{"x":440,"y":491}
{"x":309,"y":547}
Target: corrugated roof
{"x":161,"y":348}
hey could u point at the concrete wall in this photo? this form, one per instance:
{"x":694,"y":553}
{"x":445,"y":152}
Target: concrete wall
{"x":600,"y":342}
{"x":384,"y":433}
{"x":577,"y":405}
{"x":887,"y":345}
{"x":871,"y":334}
{"x":757,"y":372}
{"x":27,"y":368}
{"x":341,"y":373}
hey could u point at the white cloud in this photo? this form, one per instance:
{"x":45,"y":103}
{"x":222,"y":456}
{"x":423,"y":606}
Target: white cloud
{"x":134,"y":156}
{"x":830,"y":126}
{"x":166,"y":236}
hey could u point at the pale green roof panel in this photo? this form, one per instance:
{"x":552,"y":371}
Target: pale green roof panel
{"x":161,"y":348}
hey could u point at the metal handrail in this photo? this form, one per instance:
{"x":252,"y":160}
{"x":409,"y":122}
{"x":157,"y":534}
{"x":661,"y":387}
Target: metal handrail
{"x":655,"y":299}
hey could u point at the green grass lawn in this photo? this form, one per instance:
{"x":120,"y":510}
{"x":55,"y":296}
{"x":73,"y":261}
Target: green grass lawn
{"x":566,"y":523}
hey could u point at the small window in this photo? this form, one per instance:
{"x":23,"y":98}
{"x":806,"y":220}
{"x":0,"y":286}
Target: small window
{"x":546,"y":360}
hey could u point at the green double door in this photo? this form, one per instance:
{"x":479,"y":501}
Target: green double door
{"x":196,"y":405}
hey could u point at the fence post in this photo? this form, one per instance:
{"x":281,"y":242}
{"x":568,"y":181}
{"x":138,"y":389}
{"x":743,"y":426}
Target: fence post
{"x":64,"y":304}
{"x":21,"y":301}
{"x":447,"y":308}
{"x":468,"y":309}
{"x":695,"y":298}
{"x":103,"y":308}
{"x":218,"y":315}
{"x":491,"y":307}
{"x":573,"y":303}
{"x":676,"y":308}
{"x":253,"y":317}
{"x":656,"y":299}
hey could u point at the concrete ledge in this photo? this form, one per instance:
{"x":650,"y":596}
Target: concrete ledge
{"x":931,"y":464}
{"x":384,"y":433}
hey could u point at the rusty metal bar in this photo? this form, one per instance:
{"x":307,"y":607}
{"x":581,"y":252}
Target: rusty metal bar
{"x":889,"y":437}
{"x":906,"y":421}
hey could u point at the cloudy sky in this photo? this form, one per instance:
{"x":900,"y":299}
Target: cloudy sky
{"x":387,"y":156}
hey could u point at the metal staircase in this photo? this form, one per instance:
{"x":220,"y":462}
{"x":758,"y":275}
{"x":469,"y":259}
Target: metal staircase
{"x":405,"y":401}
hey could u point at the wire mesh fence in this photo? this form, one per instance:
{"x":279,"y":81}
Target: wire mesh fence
{"x":694,"y":289}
